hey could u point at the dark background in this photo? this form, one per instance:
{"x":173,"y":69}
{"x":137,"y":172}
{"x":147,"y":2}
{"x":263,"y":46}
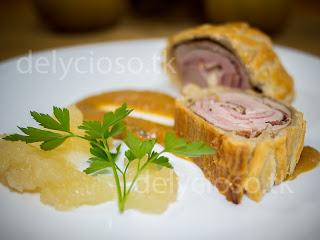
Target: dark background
{"x":24,"y":27}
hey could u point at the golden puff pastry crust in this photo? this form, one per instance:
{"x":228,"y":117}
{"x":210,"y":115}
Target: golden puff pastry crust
{"x":241,"y":165}
{"x":251,"y":46}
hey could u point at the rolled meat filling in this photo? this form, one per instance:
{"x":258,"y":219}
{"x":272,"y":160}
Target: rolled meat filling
{"x":245,"y":114}
{"x":205,"y":63}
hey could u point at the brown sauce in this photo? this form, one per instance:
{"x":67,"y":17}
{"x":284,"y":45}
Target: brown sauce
{"x":144,"y":101}
{"x":309,"y":160}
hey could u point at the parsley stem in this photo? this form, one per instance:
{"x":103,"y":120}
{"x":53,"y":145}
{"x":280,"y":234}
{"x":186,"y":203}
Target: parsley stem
{"x":115,"y":173}
{"x":77,"y":136}
{"x":122,"y":195}
{"x":116,"y":177}
{"x":119,"y":169}
{"x":124,"y":179}
{"x":125,"y":197}
{"x":126,"y":168}
{"x":115,"y":169}
{"x":138,"y":167}
{"x":139,"y":171}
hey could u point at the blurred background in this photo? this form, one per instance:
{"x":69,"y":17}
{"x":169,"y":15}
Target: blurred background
{"x":41,"y":24}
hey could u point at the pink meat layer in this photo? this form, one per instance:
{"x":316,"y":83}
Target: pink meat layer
{"x":197,"y":59}
{"x":243,"y":113}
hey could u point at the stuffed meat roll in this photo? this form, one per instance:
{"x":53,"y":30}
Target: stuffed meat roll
{"x":232,"y":55}
{"x":258,"y":140}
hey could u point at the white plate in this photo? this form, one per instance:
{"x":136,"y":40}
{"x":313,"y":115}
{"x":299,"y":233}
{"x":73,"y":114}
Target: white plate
{"x":290,"y":211}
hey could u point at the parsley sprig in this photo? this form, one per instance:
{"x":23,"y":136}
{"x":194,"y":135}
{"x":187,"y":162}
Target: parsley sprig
{"x":56,"y":129}
{"x":50,"y":140}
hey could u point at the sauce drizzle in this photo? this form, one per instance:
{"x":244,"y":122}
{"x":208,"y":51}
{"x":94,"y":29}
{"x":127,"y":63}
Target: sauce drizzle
{"x":154,"y":103}
{"x":309,"y":160}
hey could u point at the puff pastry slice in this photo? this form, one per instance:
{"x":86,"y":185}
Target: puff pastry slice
{"x":234,"y":55}
{"x":258,"y":140}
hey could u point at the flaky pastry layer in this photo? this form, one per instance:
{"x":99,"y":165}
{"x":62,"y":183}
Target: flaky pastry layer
{"x":251,"y":46}
{"x":242,"y":165}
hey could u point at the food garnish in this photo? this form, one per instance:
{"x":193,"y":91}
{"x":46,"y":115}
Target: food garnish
{"x":55,"y":130}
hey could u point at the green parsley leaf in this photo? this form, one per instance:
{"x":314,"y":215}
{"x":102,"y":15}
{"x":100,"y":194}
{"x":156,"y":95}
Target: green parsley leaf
{"x":111,"y":118}
{"x":15,"y":137}
{"x":147,"y":146}
{"x":117,"y":129}
{"x":93,"y":129}
{"x":33,"y":135}
{"x":50,"y":140}
{"x":63,"y":116}
{"x":111,"y":126}
{"x":129,"y":155}
{"x":138,"y":148}
{"x":46,"y":121}
{"x":96,"y":166}
{"x":162,"y":161}
{"x":133,"y":143}
{"x":52,"y":144}
{"x":179,"y":146}
{"x":116,"y":154}
{"x":100,"y":159}
{"x":98,"y":152}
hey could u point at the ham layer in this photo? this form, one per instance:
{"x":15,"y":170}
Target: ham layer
{"x":245,"y":114}
{"x":204,"y":63}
